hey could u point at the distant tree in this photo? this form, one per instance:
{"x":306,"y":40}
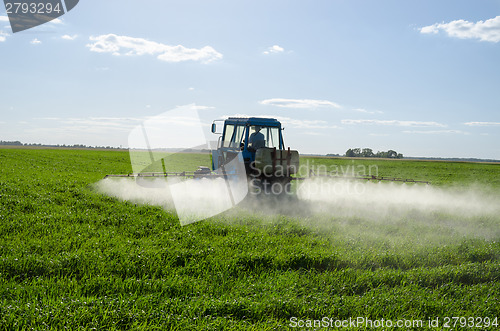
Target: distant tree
{"x":350,"y":153}
{"x":392,"y":154}
{"x":367,"y":152}
{"x":356,"y":151}
{"x":11,"y":143}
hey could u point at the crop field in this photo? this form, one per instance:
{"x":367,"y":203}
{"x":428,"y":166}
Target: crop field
{"x":73,"y":257}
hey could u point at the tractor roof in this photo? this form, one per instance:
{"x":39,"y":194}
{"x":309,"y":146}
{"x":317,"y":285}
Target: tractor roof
{"x":253,"y":121}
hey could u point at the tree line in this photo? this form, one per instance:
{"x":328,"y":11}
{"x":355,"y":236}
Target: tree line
{"x":368,"y":152}
{"x":11,"y":143}
{"x":18,"y":143}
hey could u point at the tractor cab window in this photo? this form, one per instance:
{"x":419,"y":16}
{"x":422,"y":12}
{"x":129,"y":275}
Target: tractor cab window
{"x":261,"y":136}
{"x":233,"y":136}
{"x":273,"y":137}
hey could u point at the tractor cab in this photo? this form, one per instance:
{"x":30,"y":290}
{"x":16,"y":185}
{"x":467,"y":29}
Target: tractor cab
{"x":245,"y":135}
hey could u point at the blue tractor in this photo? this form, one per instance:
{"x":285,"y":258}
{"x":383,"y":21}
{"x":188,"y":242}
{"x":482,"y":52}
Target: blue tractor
{"x":261,"y":144}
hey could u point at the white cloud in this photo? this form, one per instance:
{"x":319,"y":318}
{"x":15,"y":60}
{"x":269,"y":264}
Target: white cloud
{"x":96,"y":124}
{"x":393,"y":123}
{"x":35,"y":42}
{"x":202,"y":107}
{"x":437,"y":132}
{"x":313,"y":133}
{"x":293,"y":122}
{"x":103,"y":125}
{"x":129,"y":46}
{"x":488,"y":30}
{"x":3,"y":36}
{"x":57,"y":21}
{"x":306,"y":124}
{"x":68,"y":37}
{"x":362,"y":110}
{"x":482,"y":123}
{"x":90,"y":131}
{"x":4,"y":19}
{"x":274,"y":50}
{"x":299,"y":103}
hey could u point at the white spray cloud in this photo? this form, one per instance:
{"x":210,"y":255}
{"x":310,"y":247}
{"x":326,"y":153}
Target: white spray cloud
{"x":192,"y":200}
{"x":469,"y":211}
{"x":128,"y":190}
{"x":380,"y":198}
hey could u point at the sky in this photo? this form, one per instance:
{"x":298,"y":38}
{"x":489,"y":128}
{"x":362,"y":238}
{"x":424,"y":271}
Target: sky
{"x":419,"y":77}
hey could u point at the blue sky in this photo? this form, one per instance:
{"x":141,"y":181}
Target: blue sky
{"x":419,"y":77}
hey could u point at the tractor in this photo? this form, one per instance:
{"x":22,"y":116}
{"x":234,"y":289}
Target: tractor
{"x":268,"y":165}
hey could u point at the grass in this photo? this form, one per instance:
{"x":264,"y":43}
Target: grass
{"x":71,"y":258}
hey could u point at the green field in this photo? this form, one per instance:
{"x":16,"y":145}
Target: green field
{"x":73,"y":258}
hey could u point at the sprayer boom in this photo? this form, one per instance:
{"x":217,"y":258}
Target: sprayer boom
{"x":374,"y":178}
{"x":211,"y":175}
{"x":202,"y":172}
{"x":258,"y":144}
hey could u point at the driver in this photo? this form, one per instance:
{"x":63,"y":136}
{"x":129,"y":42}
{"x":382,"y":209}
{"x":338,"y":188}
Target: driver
{"x":256,"y":139}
